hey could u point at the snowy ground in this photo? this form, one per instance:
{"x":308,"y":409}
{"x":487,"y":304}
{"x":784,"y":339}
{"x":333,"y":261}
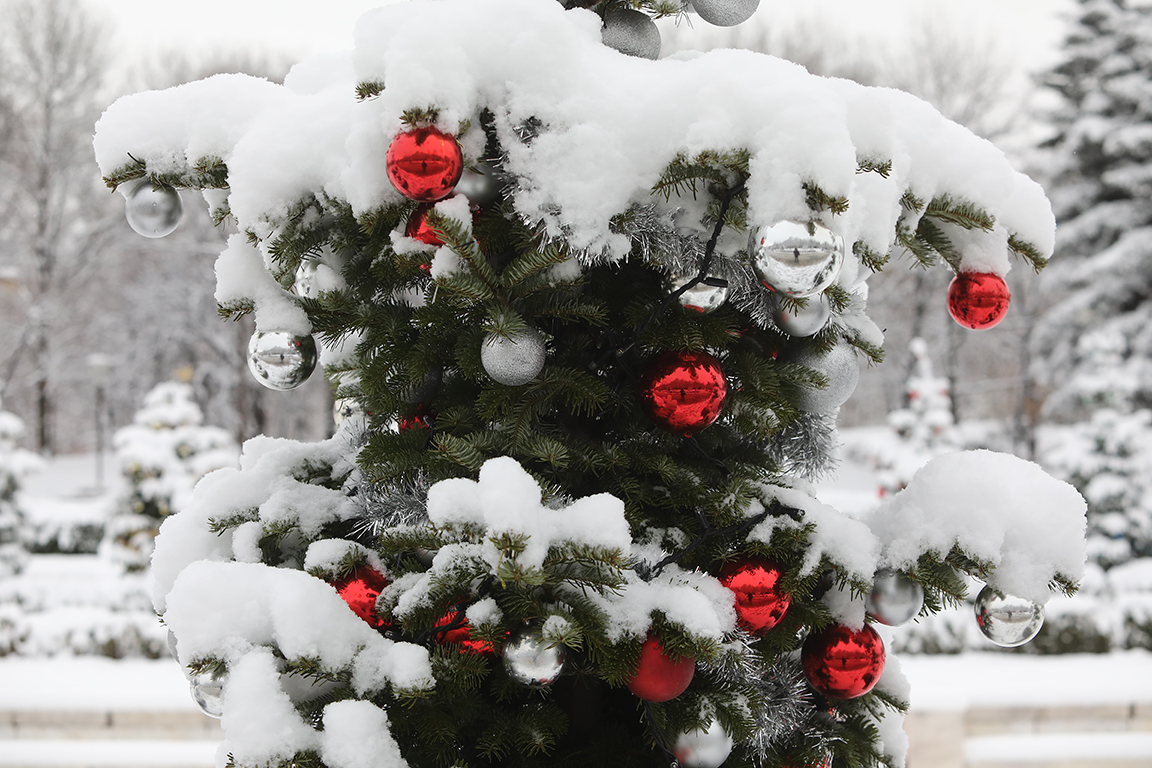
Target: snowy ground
{"x":64,"y":683}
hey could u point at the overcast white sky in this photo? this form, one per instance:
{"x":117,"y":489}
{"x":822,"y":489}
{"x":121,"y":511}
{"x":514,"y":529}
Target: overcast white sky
{"x":297,"y":28}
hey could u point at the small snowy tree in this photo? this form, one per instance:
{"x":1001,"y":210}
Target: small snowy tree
{"x":590,"y":318}
{"x":15,"y":463}
{"x":162,"y":454}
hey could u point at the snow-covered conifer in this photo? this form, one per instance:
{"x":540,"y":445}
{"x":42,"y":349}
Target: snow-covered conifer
{"x":15,"y":463}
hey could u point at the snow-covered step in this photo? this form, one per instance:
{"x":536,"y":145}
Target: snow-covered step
{"x":1059,"y":750}
{"x":113,"y":753}
{"x":112,"y":724}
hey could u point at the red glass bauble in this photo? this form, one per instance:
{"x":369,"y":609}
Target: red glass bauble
{"x":418,"y":227}
{"x":360,"y":591}
{"x":683,"y":392}
{"x":461,"y":636}
{"x":424,"y":164}
{"x":659,"y":678}
{"x":843,"y":663}
{"x":760,"y":605}
{"x":978,"y":300}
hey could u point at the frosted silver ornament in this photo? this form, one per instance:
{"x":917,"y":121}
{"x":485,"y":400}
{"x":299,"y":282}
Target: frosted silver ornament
{"x":703,"y":749}
{"x":281,"y":360}
{"x":513,"y":361}
{"x":153,"y":211}
{"x":480,"y":186}
{"x":702,"y":297}
{"x":795,"y":320}
{"x":531,"y":660}
{"x":208,"y":692}
{"x":725,"y":13}
{"x":895,"y":598}
{"x":1007,"y":620}
{"x":632,"y":33}
{"x":840,"y":367}
{"x":796,"y":258}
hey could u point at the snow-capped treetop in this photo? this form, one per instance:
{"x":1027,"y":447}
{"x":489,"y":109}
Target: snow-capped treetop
{"x":167,"y":405}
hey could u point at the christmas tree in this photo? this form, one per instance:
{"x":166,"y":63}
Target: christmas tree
{"x":589,"y":318}
{"x":161,"y":454}
{"x":1096,"y":350}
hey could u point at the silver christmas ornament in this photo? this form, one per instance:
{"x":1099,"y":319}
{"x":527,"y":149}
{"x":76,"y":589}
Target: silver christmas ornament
{"x":305,"y":283}
{"x":531,"y":660}
{"x":281,"y":360}
{"x":208,"y":693}
{"x":795,"y":320}
{"x":842,"y":371}
{"x":480,"y":186}
{"x":513,"y":361}
{"x":725,"y":13}
{"x":895,"y":598}
{"x":153,"y":211}
{"x":345,"y":408}
{"x":703,"y":749}
{"x":797,"y":258}
{"x":632,"y":33}
{"x":1007,"y":620}
{"x":702,"y":297}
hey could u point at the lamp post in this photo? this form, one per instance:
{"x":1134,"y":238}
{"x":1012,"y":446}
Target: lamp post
{"x":99,"y":368}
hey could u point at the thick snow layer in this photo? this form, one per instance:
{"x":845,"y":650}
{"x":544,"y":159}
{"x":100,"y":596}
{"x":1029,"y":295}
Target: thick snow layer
{"x":356,"y":735}
{"x":997,"y":508}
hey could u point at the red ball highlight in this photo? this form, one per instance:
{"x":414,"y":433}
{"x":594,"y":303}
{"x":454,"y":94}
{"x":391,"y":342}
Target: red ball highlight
{"x":978,"y":300}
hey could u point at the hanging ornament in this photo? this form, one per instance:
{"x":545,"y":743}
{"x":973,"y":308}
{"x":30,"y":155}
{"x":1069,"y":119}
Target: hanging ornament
{"x":683,"y":392}
{"x":1007,"y":620}
{"x":418,"y":228}
{"x":531,"y":660}
{"x":481,"y":186}
{"x":153,"y":211}
{"x":281,"y":360}
{"x":704,"y":297}
{"x":725,"y":13}
{"x":460,"y":636}
{"x":801,"y":321}
{"x":304,"y":285}
{"x":797,"y":258}
{"x":418,"y":417}
{"x":895,"y":598}
{"x":632,"y":33}
{"x":513,"y":361}
{"x":208,"y":692}
{"x":424,"y":164}
{"x":760,"y":605}
{"x":978,"y":300}
{"x":345,"y":408}
{"x":840,"y":367}
{"x":659,"y":678}
{"x":843,"y":663}
{"x":707,"y":748}
{"x":360,"y":590}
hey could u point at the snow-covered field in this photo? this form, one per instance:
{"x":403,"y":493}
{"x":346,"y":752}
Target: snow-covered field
{"x":70,"y":590}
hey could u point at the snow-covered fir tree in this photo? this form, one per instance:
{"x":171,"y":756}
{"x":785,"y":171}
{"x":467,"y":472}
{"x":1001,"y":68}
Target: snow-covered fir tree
{"x":161,"y":454}
{"x":1096,"y":339}
{"x":15,"y":463}
{"x":590,"y":318}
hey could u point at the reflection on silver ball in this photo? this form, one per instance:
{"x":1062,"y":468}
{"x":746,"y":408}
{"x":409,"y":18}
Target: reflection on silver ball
{"x":797,"y":258}
{"x":305,"y":282}
{"x":895,"y":598}
{"x":702,"y":298}
{"x":281,"y":360}
{"x":208,"y":693}
{"x":725,"y":13}
{"x":632,"y":33}
{"x":843,"y":373}
{"x":153,"y":211}
{"x":1007,"y":620}
{"x":800,"y":321}
{"x":481,"y":187}
{"x":531,"y":660}
{"x":704,"y":749}
{"x":345,"y":408}
{"x":513,"y":361}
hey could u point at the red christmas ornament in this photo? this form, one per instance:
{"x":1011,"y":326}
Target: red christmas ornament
{"x":659,"y":678}
{"x":419,"y":418}
{"x":360,"y":591}
{"x":843,"y":663}
{"x":418,"y":227}
{"x":461,"y":636}
{"x":683,"y":392}
{"x":978,"y":300}
{"x":424,"y":164}
{"x":760,"y":605}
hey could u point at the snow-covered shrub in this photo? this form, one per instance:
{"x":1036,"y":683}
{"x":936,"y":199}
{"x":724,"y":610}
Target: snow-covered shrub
{"x":15,"y":463}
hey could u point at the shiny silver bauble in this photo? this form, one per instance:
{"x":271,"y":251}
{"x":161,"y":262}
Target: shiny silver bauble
{"x":208,"y":692}
{"x":702,"y":297}
{"x":1007,"y":620}
{"x":795,"y":320}
{"x":704,"y":749}
{"x":153,"y":211}
{"x":531,"y":660}
{"x":895,"y":598}
{"x":281,"y":360}
{"x":796,"y":258}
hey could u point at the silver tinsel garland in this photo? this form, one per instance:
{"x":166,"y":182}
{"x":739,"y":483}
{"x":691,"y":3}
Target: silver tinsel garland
{"x":807,"y":446}
{"x":383,"y":508}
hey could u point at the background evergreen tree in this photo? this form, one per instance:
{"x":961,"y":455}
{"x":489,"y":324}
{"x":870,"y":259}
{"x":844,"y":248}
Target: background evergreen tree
{"x":15,"y":463}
